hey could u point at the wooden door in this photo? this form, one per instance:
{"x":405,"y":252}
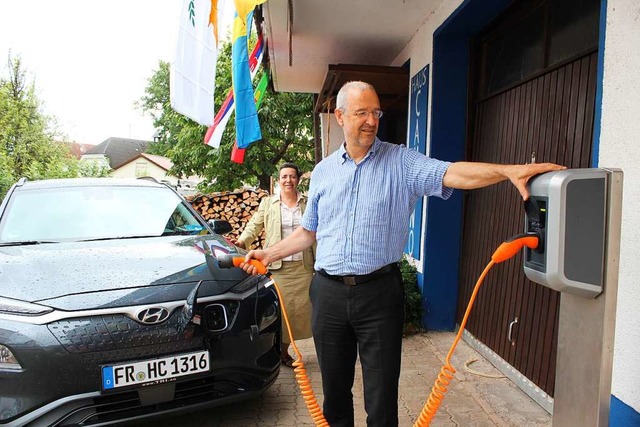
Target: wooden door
{"x":546,"y":117}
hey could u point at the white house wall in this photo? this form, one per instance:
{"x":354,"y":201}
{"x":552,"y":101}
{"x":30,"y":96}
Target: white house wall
{"x":153,"y":170}
{"x":620,"y":148}
{"x":331,"y":133}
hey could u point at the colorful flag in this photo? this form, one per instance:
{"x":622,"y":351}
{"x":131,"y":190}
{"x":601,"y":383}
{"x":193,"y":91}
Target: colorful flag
{"x":193,"y":73}
{"x":247,"y":124}
{"x":237,"y":154}
{"x":213,"y":137}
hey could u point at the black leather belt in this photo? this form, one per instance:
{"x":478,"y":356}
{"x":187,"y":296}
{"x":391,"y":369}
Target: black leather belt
{"x":358,"y":279}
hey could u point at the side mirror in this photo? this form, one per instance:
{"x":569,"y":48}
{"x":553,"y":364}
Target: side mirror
{"x":220,"y":226}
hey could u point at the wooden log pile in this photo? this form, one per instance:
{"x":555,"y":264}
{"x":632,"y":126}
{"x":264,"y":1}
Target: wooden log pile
{"x":236,"y":206}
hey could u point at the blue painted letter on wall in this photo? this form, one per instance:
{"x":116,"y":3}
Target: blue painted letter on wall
{"x":418,"y":141}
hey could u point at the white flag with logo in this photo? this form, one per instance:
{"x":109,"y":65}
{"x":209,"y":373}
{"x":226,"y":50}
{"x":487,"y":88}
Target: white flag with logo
{"x":193,"y":73}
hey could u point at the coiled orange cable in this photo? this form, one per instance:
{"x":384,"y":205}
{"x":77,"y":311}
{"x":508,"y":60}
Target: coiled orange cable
{"x":446,"y":373}
{"x":304,"y":383}
{"x":504,"y":252}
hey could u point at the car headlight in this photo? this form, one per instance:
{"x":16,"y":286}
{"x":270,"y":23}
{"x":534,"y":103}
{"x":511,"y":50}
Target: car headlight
{"x":269,"y":315}
{"x":14,"y":306}
{"x":7,"y":360}
{"x":250,"y":282}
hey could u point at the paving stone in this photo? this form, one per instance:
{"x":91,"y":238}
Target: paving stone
{"x":471,"y":400}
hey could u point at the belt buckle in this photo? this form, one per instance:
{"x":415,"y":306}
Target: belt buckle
{"x":349,"y":280}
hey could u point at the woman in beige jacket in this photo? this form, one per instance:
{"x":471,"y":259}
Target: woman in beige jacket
{"x":279,"y":215}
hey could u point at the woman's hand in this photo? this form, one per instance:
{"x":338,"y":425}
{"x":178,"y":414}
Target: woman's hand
{"x":238,"y":243}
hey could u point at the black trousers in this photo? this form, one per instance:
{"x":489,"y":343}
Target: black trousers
{"x":365,"y":318}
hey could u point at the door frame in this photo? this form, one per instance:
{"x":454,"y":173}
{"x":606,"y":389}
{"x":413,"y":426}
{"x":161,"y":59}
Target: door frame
{"x":449,"y":116}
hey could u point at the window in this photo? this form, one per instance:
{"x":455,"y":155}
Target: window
{"x":141,"y":169}
{"x":534,"y":35}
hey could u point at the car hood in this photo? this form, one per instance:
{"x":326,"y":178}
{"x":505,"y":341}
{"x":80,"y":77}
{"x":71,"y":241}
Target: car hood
{"x":115,"y":272}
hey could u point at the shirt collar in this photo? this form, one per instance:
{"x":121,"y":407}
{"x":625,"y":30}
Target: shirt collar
{"x":297,"y":199}
{"x":343,"y":155}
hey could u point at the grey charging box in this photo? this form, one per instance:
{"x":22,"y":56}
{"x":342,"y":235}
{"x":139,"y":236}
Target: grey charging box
{"x":568,"y":210}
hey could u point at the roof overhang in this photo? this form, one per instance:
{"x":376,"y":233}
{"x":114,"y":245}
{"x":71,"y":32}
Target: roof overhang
{"x":390,"y":82}
{"x":305,"y":37}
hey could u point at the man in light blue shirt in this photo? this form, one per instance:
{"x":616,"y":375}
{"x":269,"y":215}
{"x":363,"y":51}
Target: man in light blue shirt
{"x":359,"y":204}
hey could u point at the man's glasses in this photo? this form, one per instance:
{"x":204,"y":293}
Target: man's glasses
{"x":364,"y":114}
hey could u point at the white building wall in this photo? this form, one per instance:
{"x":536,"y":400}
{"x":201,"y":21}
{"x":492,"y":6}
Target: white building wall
{"x":331,"y":132}
{"x":620,"y":148}
{"x":420,"y":48}
{"x":129,"y":171}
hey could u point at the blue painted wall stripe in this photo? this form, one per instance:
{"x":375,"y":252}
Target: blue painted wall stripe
{"x":595,"y":152}
{"x":622,"y":415}
{"x":448,"y":130}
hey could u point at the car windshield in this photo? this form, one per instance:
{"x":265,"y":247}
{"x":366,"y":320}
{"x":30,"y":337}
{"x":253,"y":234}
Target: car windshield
{"x":88,"y":213}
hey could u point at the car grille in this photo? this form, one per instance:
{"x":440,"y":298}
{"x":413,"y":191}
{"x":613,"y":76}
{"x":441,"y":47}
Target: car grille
{"x":201,"y":392}
{"x":115,"y":332}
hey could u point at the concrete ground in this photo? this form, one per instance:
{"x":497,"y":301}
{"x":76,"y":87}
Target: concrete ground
{"x":480,"y":396}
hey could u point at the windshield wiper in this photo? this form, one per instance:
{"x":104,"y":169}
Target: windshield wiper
{"x":27,"y":243}
{"x":97,"y":239}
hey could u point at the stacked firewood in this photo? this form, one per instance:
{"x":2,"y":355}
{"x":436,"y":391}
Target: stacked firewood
{"x":236,"y":206}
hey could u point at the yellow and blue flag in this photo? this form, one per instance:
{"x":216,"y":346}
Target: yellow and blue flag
{"x":247,"y":124}
{"x":237,"y":154}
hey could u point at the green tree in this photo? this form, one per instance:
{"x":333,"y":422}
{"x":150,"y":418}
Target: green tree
{"x":27,"y":136}
{"x":286,"y":122}
{"x":93,"y":170}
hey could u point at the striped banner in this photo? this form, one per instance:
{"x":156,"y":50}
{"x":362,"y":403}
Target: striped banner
{"x":215,"y":131}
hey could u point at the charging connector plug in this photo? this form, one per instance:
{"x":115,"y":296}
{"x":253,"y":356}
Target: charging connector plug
{"x":510,"y":247}
{"x":229,"y":260}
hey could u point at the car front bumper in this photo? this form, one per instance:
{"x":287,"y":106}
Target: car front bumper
{"x":60,"y":381}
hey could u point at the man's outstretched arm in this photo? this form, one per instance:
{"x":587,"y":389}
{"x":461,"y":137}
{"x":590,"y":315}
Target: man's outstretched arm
{"x":471,"y":175}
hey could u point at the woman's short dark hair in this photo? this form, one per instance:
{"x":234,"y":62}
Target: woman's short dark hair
{"x":290,"y":166}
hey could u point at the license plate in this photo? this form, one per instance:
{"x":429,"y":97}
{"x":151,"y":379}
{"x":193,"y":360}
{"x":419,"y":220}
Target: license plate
{"x":154,"y":371}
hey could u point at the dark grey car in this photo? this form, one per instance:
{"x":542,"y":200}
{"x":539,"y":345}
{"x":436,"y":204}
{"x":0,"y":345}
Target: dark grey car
{"x":113,"y":307}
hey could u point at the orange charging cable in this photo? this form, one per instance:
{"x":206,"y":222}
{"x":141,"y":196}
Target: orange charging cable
{"x":505,"y":251}
{"x":304,"y":383}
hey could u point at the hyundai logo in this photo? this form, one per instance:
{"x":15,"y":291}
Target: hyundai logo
{"x":153,"y":315}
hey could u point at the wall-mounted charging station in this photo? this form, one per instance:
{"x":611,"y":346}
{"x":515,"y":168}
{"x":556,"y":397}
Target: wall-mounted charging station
{"x":577,"y":214}
{"x":568,"y":210}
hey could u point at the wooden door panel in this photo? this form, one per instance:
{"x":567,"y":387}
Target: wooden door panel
{"x":549,"y":117}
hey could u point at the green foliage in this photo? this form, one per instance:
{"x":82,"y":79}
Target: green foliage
{"x":27,"y":147}
{"x":6,"y":175}
{"x":90,"y":169}
{"x":286,"y":122}
{"x":413,"y":309}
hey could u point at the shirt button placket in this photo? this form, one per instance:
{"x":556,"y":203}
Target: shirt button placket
{"x":352,"y":209}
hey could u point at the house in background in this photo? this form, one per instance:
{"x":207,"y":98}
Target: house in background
{"x":114,"y":152}
{"x":157,"y":167}
{"x":78,"y":150}
{"x":127,"y":158}
{"x":146,"y":165}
